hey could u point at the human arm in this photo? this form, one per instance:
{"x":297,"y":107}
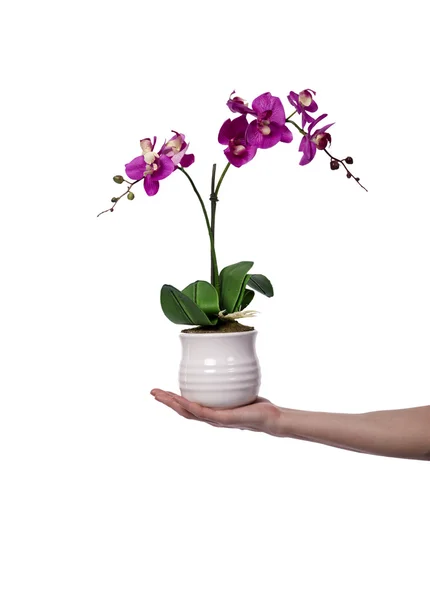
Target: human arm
{"x":401,"y":433}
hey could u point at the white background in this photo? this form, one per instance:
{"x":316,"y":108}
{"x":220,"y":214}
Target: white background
{"x":107,"y":494}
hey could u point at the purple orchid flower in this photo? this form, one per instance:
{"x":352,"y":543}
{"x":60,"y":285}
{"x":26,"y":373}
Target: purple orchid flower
{"x":233,"y":134}
{"x":239,"y":105}
{"x":269,"y":127}
{"x":312,"y":142}
{"x":303,"y":103}
{"x":175,"y":149}
{"x":150,"y":166}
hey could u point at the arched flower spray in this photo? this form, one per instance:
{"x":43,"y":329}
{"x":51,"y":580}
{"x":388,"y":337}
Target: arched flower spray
{"x":258,"y":128}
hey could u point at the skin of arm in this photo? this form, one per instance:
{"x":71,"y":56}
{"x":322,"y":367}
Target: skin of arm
{"x":401,"y":433}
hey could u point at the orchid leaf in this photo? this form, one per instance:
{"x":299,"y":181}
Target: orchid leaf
{"x":261,"y":284}
{"x":242,"y":293}
{"x":232,"y":280}
{"x":180,"y":309}
{"x":247,"y":298}
{"x":204,"y":295}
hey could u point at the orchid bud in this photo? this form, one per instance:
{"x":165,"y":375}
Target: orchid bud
{"x":130,"y":196}
{"x":118,"y":178}
{"x":349,"y":160}
{"x":334,"y":164}
{"x":349,"y":175}
{"x":114,"y":200}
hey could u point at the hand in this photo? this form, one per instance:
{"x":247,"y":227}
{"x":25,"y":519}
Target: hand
{"x":261,"y":415}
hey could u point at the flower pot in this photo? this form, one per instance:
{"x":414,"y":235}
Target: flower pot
{"x":220,"y":370}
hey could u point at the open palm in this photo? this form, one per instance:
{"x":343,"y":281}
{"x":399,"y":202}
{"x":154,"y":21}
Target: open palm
{"x":260,"y":415}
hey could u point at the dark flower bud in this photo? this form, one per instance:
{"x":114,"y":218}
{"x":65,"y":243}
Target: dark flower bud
{"x":130,"y":196}
{"x":118,"y":178}
{"x":334,"y":164}
{"x":349,"y":160}
{"x":349,"y":175}
{"x":114,"y":200}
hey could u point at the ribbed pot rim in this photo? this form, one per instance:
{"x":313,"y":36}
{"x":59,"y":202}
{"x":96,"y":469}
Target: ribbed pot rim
{"x":218,"y":335}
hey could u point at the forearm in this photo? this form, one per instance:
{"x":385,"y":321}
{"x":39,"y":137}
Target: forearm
{"x":401,"y":433}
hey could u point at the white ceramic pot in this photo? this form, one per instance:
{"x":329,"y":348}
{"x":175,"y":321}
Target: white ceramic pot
{"x":220,"y":370}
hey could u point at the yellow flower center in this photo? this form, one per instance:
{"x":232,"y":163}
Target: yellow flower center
{"x":238,"y":150}
{"x":175,"y":145}
{"x":305,"y":98}
{"x":150,"y":157}
{"x":146,"y":145}
{"x":264,"y":127}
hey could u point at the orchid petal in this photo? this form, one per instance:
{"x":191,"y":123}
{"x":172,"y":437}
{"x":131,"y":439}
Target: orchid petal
{"x":135,"y":168}
{"x":267,"y":102}
{"x":238,"y":127}
{"x":316,"y":121}
{"x":313,"y":106}
{"x":293,"y":99}
{"x":238,"y":161}
{"x":151,"y":186}
{"x":303,"y":143}
{"x":323,"y":129}
{"x":253,"y":136}
{"x":165,"y":168}
{"x":237,"y":104}
{"x":286,"y":135}
{"x":309,"y":150}
{"x":187,"y":160}
{"x":176,"y":157}
{"x":233,"y":129}
{"x":224,"y":133}
{"x":306,"y":119}
{"x":278,"y":112}
{"x":268,"y":141}
{"x":263,"y":102}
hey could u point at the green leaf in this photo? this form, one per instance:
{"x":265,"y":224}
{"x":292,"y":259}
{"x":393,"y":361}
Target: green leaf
{"x":180,"y":309}
{"x":242,"y":293}
{"x":231,"y":280}
{"x":261,"y":284}
{"x":247,"y":299}
{"x":204,"y":295}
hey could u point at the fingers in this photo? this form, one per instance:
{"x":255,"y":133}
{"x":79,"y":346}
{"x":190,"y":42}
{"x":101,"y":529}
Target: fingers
{"x":195,"y":411}
{"x":170,"y":399}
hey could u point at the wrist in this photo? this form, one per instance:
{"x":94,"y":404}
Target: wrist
{"x":282,"y":423}
{"x":301,"y":424}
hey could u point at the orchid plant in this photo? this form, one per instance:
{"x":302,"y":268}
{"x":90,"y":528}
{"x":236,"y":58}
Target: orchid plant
{"x":257,"y":128}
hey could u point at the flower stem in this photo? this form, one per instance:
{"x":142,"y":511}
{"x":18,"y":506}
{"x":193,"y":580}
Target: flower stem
{"x":131,"y":184}
{"x":221,"y":179}
{"x":302,"y":131}
{"x":214,"y":194}
{"x":341,"y":161}
{"x":214,"y":265}
{"x":214,"y":200}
